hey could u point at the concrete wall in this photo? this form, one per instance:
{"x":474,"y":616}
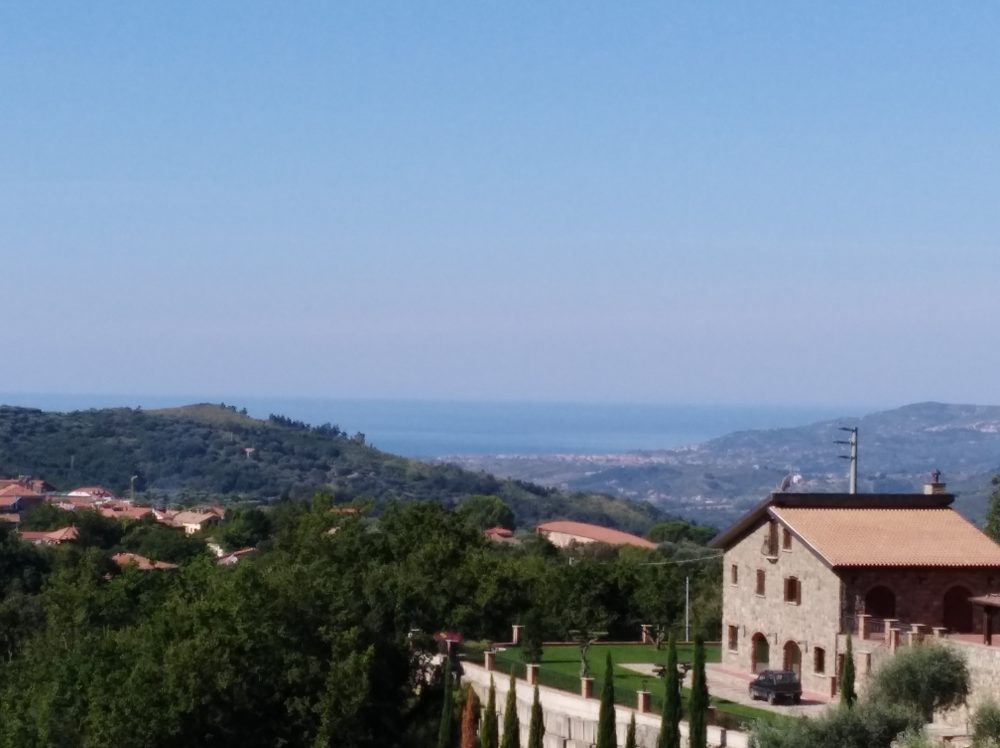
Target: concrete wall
{"x":571,"y":721}
{"x":814,"y":622}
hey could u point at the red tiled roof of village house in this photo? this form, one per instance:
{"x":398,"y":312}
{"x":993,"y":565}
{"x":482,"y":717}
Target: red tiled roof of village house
{"x":53,"y":537}
{"x":10,"y":519}
{"x":125,"y":512}
{"x":935,"y":536}
{"x":19,"y":490}
{"x":141,"y":562}
{"x":96,"y":491}
{"x":595,"y":533}
{"x":498,"y":532}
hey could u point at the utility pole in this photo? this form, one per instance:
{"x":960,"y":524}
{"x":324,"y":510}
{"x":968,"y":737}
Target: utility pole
{"x":687,"y":609}
{"x":131,"y":487}
{"x":853,"y":456}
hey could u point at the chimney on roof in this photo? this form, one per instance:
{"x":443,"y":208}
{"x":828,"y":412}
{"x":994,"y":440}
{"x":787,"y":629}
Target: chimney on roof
{"x":935,"y":486}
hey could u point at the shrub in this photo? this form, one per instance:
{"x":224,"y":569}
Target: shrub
{"x":925,"y":678}
{"x":866,"y":726}
{"x":986,"y":726}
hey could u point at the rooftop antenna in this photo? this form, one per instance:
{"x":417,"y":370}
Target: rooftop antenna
{"x":853,"y":456}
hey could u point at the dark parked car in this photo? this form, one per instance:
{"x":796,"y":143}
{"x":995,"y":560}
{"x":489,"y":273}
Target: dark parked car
{"x":776,"y":685}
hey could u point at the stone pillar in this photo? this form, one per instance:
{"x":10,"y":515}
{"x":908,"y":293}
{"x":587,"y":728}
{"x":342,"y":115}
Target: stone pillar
{"x":490,"y":661}
{"x":642,"y":699}
{"x":646,"y":638}
{"x":939,"y":632}
{"x":587,"y":688}
{"x":893,"y":640}
{"x":515,"y":634}
{"x":722,"y":737}
{"x":888,"y":628}
{"x":987,"y":626}
{"x":532,"y":673}
{"x":863,"y":625}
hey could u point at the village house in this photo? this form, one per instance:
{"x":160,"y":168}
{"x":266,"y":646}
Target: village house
{"x":195,"y":522}
{"x":16,"y":498}
{"x":563,"y":533}
{"x":801,"y":571}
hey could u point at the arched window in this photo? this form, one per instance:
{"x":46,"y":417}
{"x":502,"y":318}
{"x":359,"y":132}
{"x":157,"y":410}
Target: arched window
{"x":880,"y":602}
{"x":957,"y":610}
{"x":761,"y":653}
{"x":793,"y":658}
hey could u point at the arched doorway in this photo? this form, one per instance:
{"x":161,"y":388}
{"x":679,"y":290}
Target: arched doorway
{"x":957,"y":610}
{"x":880,"y":602}
{"x":761,"y":653}
{"x":793,"y":659}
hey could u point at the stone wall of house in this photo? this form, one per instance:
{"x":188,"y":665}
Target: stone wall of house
{"x":984,"y":680}
{"x":571,"y":721}
{"x":812,"y":622}
{"x":919,"y":592}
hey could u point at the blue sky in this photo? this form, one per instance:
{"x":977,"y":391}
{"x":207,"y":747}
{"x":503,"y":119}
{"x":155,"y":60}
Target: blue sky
{"x":655,"y":202}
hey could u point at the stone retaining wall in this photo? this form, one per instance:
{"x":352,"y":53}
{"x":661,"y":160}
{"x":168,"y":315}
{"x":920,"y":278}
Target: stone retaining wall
{"x":571,"y":721}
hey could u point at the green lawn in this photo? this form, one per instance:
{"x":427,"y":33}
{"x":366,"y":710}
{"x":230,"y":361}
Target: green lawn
{"x":560,"y":668}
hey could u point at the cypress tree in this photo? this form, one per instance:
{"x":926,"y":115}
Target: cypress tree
{"x":630,"y":734}
{"x":488,"y":727}
{"x":470,"y":721}
{"x":698,"y":703}
{"x":536,"y":729}
{"x":606,"y":737}
{"x":670,"y":732}
{"x":444,"y":728}
{"x":847,"y":694}
{"x":511,"y":724}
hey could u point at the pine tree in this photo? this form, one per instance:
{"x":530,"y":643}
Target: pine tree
{"x":630,"y":734}
{"x":444,"y":729}
{"x":992,"y":526}
{"x":470,"y":720}
{"x":511,"y":724}
{"x":698,"y":703}
{"x":536,"y":729}
{"x":606,"y":737}
{"x":670,"y":733}
{"x":847,"y":694}
{"x":488,"y":728}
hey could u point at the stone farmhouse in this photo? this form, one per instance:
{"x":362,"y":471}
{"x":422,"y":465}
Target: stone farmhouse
{"x":801,"y":571}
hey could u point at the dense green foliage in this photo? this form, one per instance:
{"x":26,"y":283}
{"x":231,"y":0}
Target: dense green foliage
{"x":698,"y":702}
{"x":670,"y":736}
{"x":923,"y":678}
{"x":986,"y":726}
{"x":200,"y":451}
{"x":847,"y":693}
{"x":489,"y":730}
{"x":536,"y":728}
{"x":676,"y":531}
{"x":511,"y":725}
{"x":992,"y":524}
{"x":868,"y":725}
{"x":606,"y":737}
{"x":447,"y":705}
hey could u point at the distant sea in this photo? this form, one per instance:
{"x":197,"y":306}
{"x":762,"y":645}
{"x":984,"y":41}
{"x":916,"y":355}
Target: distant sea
{"x":427,"y":428}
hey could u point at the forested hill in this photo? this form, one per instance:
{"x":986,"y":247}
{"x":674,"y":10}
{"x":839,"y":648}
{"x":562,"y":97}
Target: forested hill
{"x":201,"y":451}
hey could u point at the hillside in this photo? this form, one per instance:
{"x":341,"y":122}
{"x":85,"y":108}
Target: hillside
{"x":214,"y":450}
{"x":715,"y":481}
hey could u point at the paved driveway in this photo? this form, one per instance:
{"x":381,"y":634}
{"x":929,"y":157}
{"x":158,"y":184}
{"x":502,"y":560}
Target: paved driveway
{"x":732,"y":686}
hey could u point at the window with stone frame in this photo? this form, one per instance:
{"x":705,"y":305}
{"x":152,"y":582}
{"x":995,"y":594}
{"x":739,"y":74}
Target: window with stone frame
{"x":760,"y":582}
{"x":819,"y":660}
{"x":786,"y":539}
{"x":734,"y":638}
{"x":734,"y":574}
{"x":793,"y":591}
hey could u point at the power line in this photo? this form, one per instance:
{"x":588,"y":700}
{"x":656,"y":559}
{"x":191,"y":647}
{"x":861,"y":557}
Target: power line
{"x":719,"y":554}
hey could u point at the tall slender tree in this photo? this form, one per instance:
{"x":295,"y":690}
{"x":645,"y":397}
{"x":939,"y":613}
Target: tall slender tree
{"x":511,"y":724}
{"x":488,"y":728}
{"x":470,"y":720}
{"x":698,"y":703}
{"x":606,"y":737}
{"x":847,"y":694}
{"x":630,"y":733}
{"x":536,"y":728}
{"x":447,"y":704}
{"x":670,"y":731}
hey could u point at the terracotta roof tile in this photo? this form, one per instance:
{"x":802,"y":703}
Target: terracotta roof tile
{"x":18,"y":489}
{"x":595,"y":533}
{"x":890,"y":537}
